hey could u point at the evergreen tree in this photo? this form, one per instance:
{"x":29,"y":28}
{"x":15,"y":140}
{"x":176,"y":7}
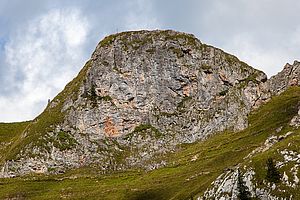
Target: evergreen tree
{"x":273,"y":175}
{"x":243,"y":191}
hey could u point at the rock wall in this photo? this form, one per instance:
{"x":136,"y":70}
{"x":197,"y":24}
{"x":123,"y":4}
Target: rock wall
{"x":169,"y":80}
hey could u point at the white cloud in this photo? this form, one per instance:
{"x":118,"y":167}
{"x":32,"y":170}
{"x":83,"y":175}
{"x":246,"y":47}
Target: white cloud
{"x":48,"y":52}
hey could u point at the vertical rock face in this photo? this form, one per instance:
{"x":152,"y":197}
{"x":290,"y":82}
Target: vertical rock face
{"x":167,"y":79}
{"x":142,"y":93}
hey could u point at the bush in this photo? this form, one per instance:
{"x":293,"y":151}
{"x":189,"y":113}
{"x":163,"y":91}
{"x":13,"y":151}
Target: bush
{"x":273,"y":175}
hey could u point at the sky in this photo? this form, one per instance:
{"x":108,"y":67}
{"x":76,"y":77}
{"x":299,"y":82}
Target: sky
{"x":44,"y":43}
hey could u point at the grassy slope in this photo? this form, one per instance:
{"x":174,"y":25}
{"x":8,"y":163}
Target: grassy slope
{"x":183,"y":178}
{"x":9,"y":132}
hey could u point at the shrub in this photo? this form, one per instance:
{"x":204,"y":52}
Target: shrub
{"x":273,"y":175}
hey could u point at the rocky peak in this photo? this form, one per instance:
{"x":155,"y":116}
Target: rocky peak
{"x":148,"y":76}
{"x":141,"y":94}
{"x":289,"y":76}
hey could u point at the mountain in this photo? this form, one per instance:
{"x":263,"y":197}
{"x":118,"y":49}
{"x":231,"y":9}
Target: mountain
{"x":162,"y":115}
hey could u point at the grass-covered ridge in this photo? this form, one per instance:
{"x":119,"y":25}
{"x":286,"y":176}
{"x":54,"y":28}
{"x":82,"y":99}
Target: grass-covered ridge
{"x":135,"y":39}
{"x":9,"y":132}
{"x":190,"y":172}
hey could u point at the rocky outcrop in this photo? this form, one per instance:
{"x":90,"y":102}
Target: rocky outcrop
{"x":141,"y":94}
{"x":295,"y":122}
{"x":289,"y":76}
{"x":226,"y":187}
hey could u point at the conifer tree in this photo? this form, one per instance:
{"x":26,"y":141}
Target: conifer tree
{"x":243,"y":191}
{"x":273,"y":175}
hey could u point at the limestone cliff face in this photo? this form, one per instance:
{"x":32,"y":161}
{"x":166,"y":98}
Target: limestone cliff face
{"x":167,"y":79}
{"x":141,"y":94}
